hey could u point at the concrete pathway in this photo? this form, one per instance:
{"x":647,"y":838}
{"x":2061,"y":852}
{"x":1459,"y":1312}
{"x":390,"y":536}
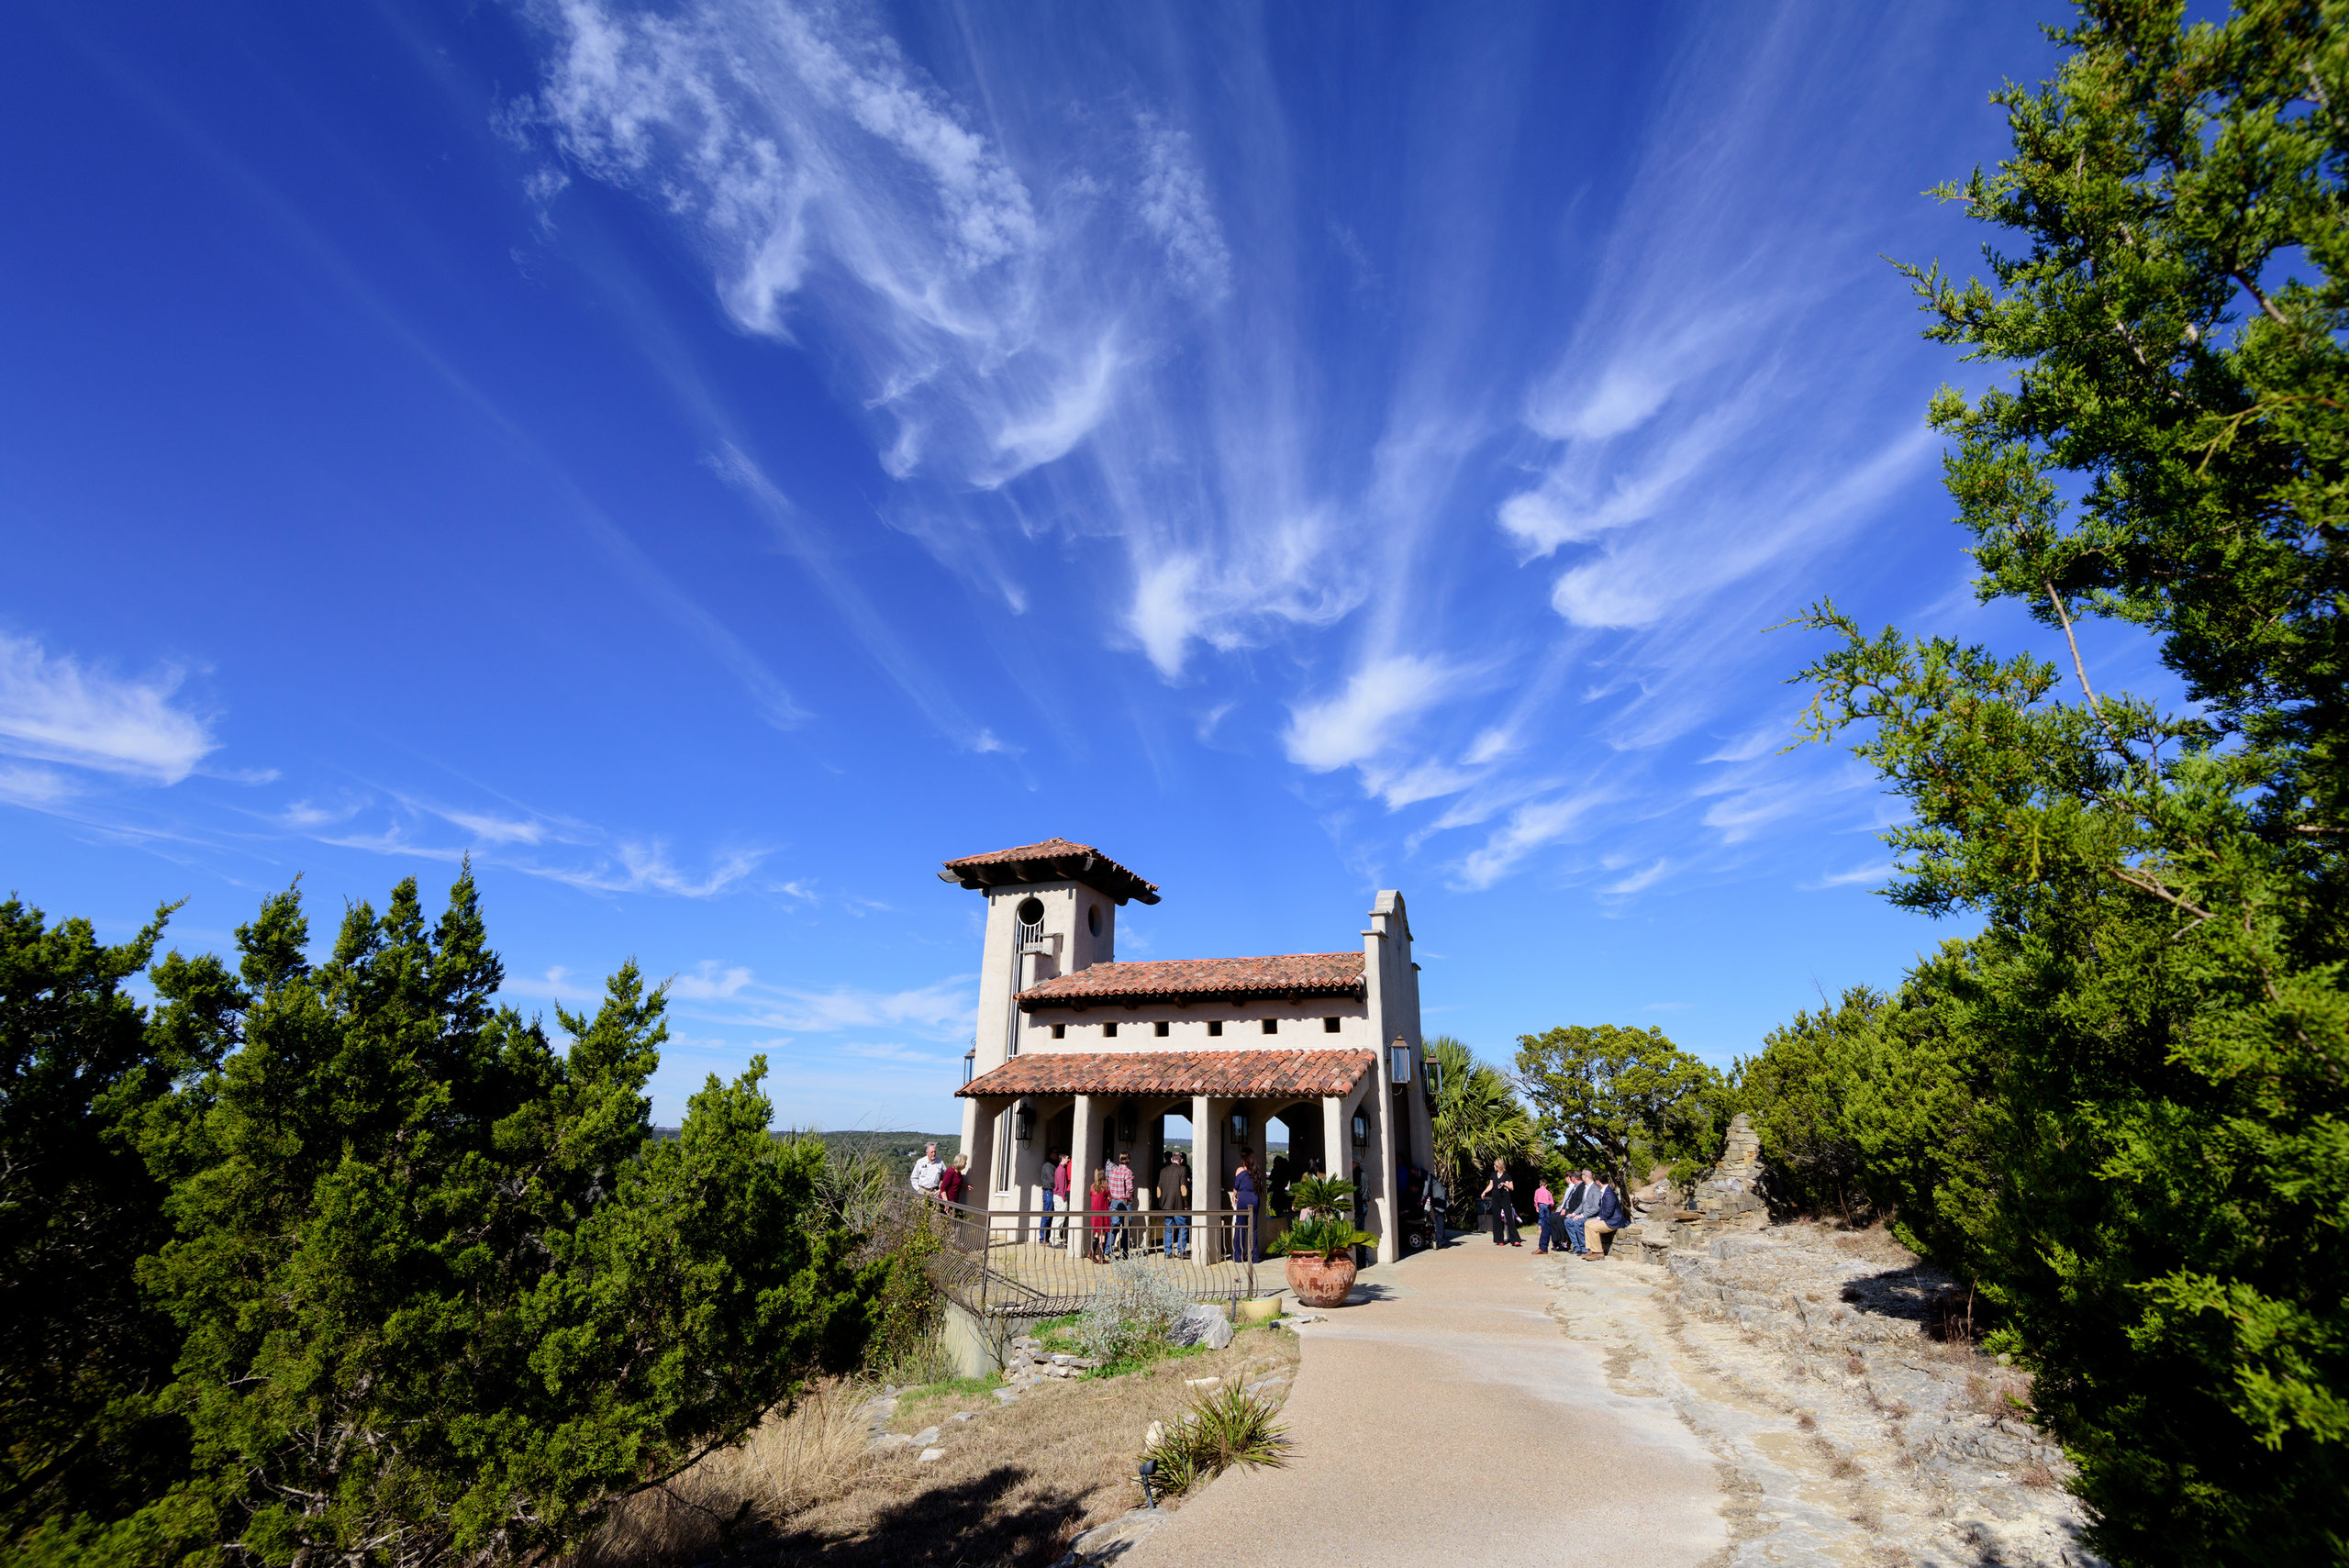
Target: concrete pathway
{"x":1423,"y":1413}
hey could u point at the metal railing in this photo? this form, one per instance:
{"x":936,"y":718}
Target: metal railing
{"x":1031,"y":1263}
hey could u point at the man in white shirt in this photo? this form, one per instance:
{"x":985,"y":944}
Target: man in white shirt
{"x":926,"y":1170}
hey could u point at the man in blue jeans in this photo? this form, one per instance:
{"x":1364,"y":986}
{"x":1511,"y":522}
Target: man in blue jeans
{"x":1591,"y":1191}
{"x":1121,"y":1201}
{"x":1175,"y":1202}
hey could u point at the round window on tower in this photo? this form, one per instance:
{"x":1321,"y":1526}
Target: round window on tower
{"x":1031,"y":910}
{"x":1093,"y":918}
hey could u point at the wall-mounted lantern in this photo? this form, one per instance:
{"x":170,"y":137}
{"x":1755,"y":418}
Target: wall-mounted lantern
{"x":1435,"y":1077}
{"x":1362,"y":1131}
{"x":1023,"y":1121}
{"x":1129,"y":1120}
{"x":1398,"y":1061}
{"x":1241,"y":1123}
{"x":970,"y":1063}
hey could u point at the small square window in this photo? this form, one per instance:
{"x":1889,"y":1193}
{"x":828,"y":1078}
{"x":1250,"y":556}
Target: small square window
{"x":1159,"y":1028}
{"x":1328,"y":1026}
{"x":1109,"y":1031}
{"x":1272,"y":1026}
{"x":1215,"y":1028}
{"x":1060,"y":1031}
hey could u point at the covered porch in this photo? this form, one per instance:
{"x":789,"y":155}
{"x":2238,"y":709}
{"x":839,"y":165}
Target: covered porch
{"x":1093,"y":1106}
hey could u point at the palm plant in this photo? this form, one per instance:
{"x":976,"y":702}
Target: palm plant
{"x":1477,"y":1116}
{"x":1324,"y":1223}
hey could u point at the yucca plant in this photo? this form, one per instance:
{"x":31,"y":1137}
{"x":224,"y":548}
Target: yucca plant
{"x":1223,"y":1427}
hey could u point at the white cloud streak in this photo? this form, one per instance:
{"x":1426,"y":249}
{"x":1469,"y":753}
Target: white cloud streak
{"x":54,"y":708}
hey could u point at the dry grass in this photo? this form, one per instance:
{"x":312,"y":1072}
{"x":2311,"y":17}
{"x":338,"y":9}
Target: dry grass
{"x":1807,"y":1421}
{"x":2004,"y":1393}
{"x":1875,"y":1244}
{"x":789,"y":1463}
{"x":2038,"y":1475}
{"x":1016,"y":1484}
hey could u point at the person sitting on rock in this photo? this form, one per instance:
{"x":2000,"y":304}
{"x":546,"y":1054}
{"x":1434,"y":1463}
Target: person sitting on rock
{"x":1609,"y":1217}
{"x":1582,"y":1202}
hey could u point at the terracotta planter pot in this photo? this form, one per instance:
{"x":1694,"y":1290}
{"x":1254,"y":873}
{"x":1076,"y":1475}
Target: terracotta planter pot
{"x":1319,"y":1280}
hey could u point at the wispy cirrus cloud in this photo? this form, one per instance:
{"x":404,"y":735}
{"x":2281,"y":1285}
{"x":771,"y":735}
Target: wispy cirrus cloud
{"x":56,"y":708}
{"x":556,"y":848}
{"x":1002,"y":318}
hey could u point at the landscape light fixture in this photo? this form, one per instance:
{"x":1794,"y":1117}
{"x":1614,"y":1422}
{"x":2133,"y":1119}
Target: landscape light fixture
{"x":1362,"y":1131}
{"x":1240,"y":1125}
{"x":1146,"y":1473}
{"x":1023,"y":1121}
{"x":1398,"y":1061}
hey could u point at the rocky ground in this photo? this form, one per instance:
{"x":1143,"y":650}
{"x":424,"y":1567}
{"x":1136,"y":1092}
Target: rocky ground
{"x":1847,"y":1431}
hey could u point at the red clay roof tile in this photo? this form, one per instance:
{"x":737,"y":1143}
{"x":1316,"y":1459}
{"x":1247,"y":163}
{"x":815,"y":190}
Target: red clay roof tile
{"x":1285,"y":974}
{"x":1054,"y":860}
{"x":1226,"y":1074}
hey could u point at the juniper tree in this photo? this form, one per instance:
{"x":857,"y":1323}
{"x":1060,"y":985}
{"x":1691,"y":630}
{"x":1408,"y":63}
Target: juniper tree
{"x":2160,"y":985}
{"x":435,"y":1294}
{"x":1599,"y":1090}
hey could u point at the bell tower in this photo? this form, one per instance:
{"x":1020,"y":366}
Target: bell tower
{"x":1052,"y":909}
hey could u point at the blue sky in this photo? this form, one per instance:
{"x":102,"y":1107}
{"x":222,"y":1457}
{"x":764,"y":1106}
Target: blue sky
{"x":711,"y":462}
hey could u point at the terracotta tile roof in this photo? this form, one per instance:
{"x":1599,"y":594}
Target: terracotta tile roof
{"x":1227,"y":1074}
{"x":1054,"y":860}
{"x":1233,"y":979}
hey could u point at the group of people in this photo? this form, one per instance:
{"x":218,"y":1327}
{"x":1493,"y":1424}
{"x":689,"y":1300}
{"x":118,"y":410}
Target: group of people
{"x":1579,"y":1221}
{"x":945,"y":1180}
{"x":1110,"y":1200}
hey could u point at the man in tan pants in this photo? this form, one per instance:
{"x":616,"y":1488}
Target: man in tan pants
{"x":1605,"y":1219}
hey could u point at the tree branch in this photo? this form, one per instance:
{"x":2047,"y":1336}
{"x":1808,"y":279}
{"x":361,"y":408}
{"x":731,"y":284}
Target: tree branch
{"x":2078,"y":667}
{"x":2264,"y":303}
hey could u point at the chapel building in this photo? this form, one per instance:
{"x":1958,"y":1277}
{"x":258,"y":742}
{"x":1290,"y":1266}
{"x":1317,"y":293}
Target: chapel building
{"x":1075,"y":1053}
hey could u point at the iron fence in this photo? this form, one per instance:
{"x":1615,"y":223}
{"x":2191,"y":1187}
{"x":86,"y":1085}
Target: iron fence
{"x":1034,"y":1264}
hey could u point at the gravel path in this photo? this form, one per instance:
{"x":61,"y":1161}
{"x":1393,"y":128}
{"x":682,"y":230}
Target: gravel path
{"x":1421,"y":1414}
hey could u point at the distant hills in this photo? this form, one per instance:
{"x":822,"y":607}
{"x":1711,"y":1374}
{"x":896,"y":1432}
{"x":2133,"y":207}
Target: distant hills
{"x":905,"y":1146}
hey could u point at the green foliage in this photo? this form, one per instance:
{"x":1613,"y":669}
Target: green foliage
{"x":1321,"y":1196}
{"x":1128,"y":1317}
{"x":1601,"y":1090}
{"x":1327,"y":1234}
{"x":1797,"y":1095}
{"x":82,"y":1354}
{"x":2152,"y":1032}
{"x":1477,"y":1116}
{"x":1878,"y":1107}
{"x":431,"y":1292}
{"x":1220,"y":1428}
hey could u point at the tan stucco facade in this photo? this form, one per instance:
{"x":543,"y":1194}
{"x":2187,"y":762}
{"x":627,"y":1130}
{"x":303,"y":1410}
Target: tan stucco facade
{"x":1379,"y":1123}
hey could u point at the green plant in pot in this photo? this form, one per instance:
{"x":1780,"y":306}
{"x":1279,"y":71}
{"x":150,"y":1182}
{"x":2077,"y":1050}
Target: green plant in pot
{"x":1320,"y":1246}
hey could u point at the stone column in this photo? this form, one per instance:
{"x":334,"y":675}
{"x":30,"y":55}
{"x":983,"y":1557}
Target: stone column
{"x":1207,"y":1179}
{"x":1385,"y":1200}
{"x":1082,"y":1157}
{"x":981,"y":1148}
{"x":1337,"y":1143}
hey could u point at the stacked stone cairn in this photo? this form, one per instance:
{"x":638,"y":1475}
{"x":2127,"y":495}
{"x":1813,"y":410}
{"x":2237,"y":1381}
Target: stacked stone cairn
{"x":1731,"y":1189}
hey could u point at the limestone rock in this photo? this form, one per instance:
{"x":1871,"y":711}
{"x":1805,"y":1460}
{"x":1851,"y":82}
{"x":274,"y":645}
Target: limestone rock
{"x":1200,"y":1325}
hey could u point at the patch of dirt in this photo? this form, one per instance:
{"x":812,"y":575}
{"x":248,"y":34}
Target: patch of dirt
{"x":1011,"y":1483}
{"x":1808,"y":1360}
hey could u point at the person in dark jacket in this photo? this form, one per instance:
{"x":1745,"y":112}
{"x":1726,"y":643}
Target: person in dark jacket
{"x":1609,"y":1218}
{"x":1501,"y":1192}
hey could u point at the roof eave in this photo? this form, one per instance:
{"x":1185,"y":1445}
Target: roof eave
{"x":1010,"y":873}
{"x":1031,"y":1002}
